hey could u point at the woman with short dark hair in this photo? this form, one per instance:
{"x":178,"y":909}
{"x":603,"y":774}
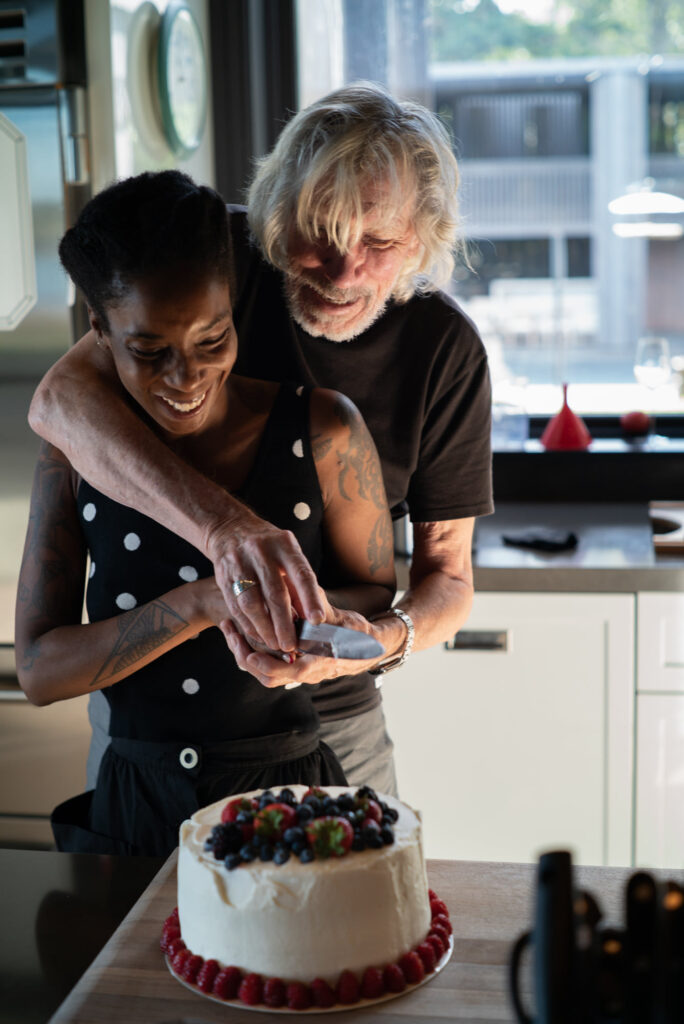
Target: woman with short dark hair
{"x":151,"y":255}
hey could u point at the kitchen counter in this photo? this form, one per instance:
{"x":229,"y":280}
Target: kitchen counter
{"x":614,"y":553}
{"x":57,"y":911}
{"x":490,"y":905}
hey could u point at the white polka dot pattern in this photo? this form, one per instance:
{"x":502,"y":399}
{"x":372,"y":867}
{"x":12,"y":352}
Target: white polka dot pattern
{"x":302,"y":510}
{"x":131,"y":542}
{"x":125,"y":602}
{"x":190,"y":686}
{"x":298,"y":448}
{"x":89,"y":512}
{"x":188,"y":573}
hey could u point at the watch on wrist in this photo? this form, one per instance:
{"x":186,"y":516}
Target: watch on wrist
{"x":389,"y":666}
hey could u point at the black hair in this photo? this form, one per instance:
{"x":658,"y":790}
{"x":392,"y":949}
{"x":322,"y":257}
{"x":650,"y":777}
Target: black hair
{"x":142,"y":226}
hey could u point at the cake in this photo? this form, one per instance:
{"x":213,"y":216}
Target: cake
{"x":322,"y":891}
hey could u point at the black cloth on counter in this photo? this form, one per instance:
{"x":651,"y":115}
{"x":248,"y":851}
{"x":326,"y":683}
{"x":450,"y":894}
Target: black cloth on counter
{"x":541,"y":538}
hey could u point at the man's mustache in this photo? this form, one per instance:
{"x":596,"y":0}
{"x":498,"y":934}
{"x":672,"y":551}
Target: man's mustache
{"x":330,"y":292}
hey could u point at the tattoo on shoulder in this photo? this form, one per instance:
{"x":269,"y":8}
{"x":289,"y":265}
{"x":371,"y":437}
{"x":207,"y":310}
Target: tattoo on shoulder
{"x":142,"y":632}
{"x":380,"y":544}
{"x":359,"y":459}
{"x":320,"y":446}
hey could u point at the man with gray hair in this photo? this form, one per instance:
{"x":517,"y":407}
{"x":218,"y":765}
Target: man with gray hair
{"x":351,"y":230}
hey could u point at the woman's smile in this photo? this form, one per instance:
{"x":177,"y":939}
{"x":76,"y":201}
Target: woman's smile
{"x":188,"y":406}
{"x":174,"y":346}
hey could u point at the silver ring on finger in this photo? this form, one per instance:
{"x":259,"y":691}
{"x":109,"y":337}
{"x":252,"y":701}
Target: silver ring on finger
{"x":239,"y":586}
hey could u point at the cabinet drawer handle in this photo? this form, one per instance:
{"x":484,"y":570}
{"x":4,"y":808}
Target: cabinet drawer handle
{"x":479,"y":640}
{"x":13,"y":695}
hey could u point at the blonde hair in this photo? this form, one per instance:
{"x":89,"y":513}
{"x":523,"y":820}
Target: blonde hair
{"x":315,"y":176}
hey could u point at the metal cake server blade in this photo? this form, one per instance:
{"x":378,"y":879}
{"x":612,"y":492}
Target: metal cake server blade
{"x":328,"y":641}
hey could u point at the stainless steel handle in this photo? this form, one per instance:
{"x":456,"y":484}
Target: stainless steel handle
{"x":479,"y":640}
{"x":12,"y":695}
{"x":73,"y":122}
{"x":9,"y":685}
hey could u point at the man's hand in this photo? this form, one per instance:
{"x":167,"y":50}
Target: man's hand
{"x":272,"y":669}
{"x":248,"y":548}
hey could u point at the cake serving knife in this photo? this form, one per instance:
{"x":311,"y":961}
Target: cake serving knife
{"x":330,"y":641}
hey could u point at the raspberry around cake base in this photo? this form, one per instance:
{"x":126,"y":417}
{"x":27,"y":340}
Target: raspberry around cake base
{"x":360,"y":1003}
{"x":233,"y":987}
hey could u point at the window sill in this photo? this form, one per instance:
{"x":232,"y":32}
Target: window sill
{"x":587,"y":400}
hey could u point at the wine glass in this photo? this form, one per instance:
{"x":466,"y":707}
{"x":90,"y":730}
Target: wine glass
{"x":652,"y":366}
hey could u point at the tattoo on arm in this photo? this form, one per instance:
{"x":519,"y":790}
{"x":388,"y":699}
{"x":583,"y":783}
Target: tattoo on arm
{"x":380,"y":544}
{"x":142,"y":631}
{"x":52,"y":574}
{"x":359,"y":459}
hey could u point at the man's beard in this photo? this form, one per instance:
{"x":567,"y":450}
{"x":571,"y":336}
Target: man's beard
{"x":322,"y":326}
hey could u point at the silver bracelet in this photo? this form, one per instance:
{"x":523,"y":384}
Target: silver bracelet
{"x":389,"y":666}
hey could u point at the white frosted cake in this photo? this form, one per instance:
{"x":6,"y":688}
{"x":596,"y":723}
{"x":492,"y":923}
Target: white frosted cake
{"x":296,"y":894}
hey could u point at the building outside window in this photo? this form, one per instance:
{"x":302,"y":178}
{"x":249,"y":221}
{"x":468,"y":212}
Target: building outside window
{"x":556,"y":108}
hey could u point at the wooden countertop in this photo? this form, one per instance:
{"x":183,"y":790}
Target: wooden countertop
{"x":490,"y":904}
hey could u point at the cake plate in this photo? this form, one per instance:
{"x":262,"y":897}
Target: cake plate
{"x":360,"y":1004}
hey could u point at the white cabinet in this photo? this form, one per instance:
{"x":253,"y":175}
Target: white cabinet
{"x":659,"y":791}
{"x":660,"y":781}
{"x":660,"y":638}
{"x":511,"y":751}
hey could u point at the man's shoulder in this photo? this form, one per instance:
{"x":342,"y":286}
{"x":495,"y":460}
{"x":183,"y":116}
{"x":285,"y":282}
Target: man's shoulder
{"x":436,"y":318}
{"x":440,"y":304}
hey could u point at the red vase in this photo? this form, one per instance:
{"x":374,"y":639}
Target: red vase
{"x":566,"y":431}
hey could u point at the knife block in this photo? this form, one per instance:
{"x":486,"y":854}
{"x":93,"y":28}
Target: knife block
{"x":584,"y":974}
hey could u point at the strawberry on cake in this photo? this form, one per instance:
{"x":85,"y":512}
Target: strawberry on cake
{"x":304,"y":897}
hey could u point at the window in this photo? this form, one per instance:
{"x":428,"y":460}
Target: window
{"x":555,"y":111}
{"x":502,"y":124}
{"x":666,"y":115}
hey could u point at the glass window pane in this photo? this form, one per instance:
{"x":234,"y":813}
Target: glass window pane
{"x":556,"y":110}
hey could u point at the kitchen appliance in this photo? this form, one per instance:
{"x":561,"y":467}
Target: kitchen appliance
{"x":44,"y":182}
{"x":44,"y":175}
{"x":584,"y":974}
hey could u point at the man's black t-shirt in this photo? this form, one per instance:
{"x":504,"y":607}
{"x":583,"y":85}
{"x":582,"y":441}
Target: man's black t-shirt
{"x":420,"y":379}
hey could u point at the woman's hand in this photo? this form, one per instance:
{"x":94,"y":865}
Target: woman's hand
{"x":208,"y":600}
{"x":285,"y":669}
